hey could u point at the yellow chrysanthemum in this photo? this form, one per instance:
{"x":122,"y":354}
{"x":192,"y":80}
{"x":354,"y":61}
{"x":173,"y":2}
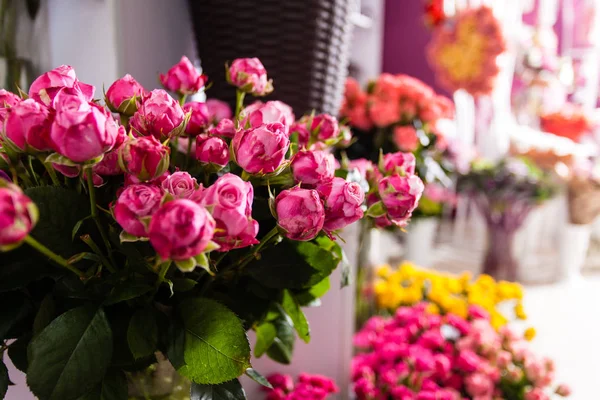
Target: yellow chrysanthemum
{"x":520,"y":311}
{"x":432,"y":308}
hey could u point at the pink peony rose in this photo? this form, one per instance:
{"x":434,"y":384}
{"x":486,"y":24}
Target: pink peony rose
{"x":280,"y":381}
{"x":468,"y":361}
{"x":299,"y":128}
{"x":28,"y":126}
{"x":144,"y":157}
{"x":250,"y":76}
{"x":46,"y":86}
{"x":300,"y":213}
{"x":479,"y":384}
{"x":18,"y":216}
{"x":199,"y":119}
{"x":183,"y":78}
{"x":343,"y":203}
{"x":400,"y":196}
{"x":135,"y":206}
{"x":313,"y":167}
{"x":180,"y":230}
{"x":399,"y":163}
{"x":180,"y":184}
{"x":261,"y":150}
{"x":212,"y":150}
{"x":405,"y":137}
{"x":7,"y":101}
{"x":260,"y":113}
{"x":225,"y":128}
{"x":327,"y":126}
{"x":121,"y":96}
{"x":230,"y":199}
{"x":218,"y":110}
{"x":159,"y":115}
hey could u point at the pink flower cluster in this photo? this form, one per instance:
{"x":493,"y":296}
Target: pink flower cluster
{"x":308,"y":387}
{"x":416,"y":355}
{"x":394,"y":100}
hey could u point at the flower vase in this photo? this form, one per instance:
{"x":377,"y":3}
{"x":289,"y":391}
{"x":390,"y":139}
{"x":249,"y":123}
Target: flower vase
{"x":420,"y":241}
{"x":573,"y":251}
{"x":499,"y":261}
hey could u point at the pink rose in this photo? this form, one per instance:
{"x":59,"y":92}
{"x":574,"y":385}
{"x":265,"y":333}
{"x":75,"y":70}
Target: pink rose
{"x":479,"y":385}
{"x":225,"y":128}
{"x":563,"y":390}
{"x":343,"y":203}
{"x":199,"y":119}
{"x":84,"y":133}
{"x":180,"y":184}
{"x":299,"y":128}
{"x":313,"y":167}
{"x":218,"y":110}
{"x":47,"y":85}
{"x":28,"y":126}
{"x":109,"y":166}
{"x":400,"y":196}
{"x":399,"y":163}
{"x":318,"y":381}
{"x":180,"y":230}
{"x":272,"y":111}
{"x":327,"y":126}
{"x":135,"y":206}
{"x":405,"y":137}
{"x":468,"y":361}
{"x":300,"y":213}
{"x":183,"y":78}
{"x":133,"y":180}
{"x":363,"y":166}
{"x":230,"y":199}
{"x":121,"y":96}
{"x":384,"y":113}
{"x":535,"y":394}
{"x":144,"y":157}
{"x":159,"y":115}
{"x":261,"y":150}
{"x":280,"y":381}
{"x":250,"y":76}
{"x":212,"y":150}
{"x":7,"y":101}
{"x":18,"y":216}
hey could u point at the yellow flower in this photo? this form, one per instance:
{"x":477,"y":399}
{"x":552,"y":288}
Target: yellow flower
{"x":509,"y":290}
{"x":384,"y":271}
{"x":497,"y":320}
{"x":432,"y":308}
{"x":529,"y":333}
{"x":520,"y":311}
{"x":458,"y":307}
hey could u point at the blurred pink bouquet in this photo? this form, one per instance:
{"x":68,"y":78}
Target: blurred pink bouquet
{"x":417,"y":355}
{"x":308,"y":387}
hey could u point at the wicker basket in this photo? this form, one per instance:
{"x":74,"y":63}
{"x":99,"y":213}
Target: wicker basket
{"x":304,"y":45}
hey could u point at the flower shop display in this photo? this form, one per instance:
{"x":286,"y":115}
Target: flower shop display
{"x":308,"y":387}
{"x":419,"y":355}
{"x":132,"y":248}
{"x":505,"y":193}
{"x":409,"y":285}
{"x":464,"y":49}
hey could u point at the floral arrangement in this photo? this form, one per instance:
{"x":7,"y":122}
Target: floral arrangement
{"x":463,"y":51}
{"x":308,"y":387}
{"x":570,"y":122}
{"x":169,"y":234}
{"x":444,"y":293}
{"x":418,"y":355}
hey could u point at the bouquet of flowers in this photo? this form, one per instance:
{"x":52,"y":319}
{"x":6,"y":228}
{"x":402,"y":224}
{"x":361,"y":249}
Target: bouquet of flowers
{"x":447,"y":293}
{"x":308,"y":387}
{"x":416,"y":355}
{"x":169,"y":234}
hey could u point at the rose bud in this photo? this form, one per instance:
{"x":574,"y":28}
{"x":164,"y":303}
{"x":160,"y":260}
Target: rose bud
{"x":261,"y":150}
{"x":47,"y":85}
{"x":135,"y":206}
{"x":230,"y":199}
{"x":400,"y":196}
{"x":327,"y":126}
{"x":180,"y":184}
{"x":250,"y":76}
{"x":343,"y":203}
{"x":180,"y":230}
{"x":7,"y":101}
{"x":183,"y":78}
{"x":159,"y":115}
{"x":270,"y":112}
{"x":313,"y":167}
{"x":84,"y":134}
{"x":218,"y":110}
{"x":121,"y":97}
{"x":212,"y":150}
{"x":399,"y":163}
{"x":28,"y":126}
{"x":300,"y":213}
{"x":18,"y":216}
{"x":145,"y":158}
{"x":199,"y":118}
{"x":300,"y":129}
{"x":225,"y":128}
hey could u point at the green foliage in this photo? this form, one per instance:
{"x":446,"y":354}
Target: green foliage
{"x":231,"y":390}
{"x":142,"y":334}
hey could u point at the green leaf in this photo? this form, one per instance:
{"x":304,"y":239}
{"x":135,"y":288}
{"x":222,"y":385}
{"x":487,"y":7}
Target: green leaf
{"x":14,"y":308}
{"x":216,"y":346}
{"x":183,"y":284}
{"x":70,"y":356}
{"x":292,"y":309}
{"x":258,"y":378}
{"x":4,"y":380}
{"x":176,"y":343}
{"x":265,"y":335}
{"x":127,"y":291}
{"x":17,"y":352}
{"x":45,"y":314}
{"x":231,"y":390}
{"x":306,"y":297}
{"x":113,"y":387}
{"x":282,"y":348}
{"x":142,"y":334}
{"x":186,"y":265}
{"x":77,"y":227}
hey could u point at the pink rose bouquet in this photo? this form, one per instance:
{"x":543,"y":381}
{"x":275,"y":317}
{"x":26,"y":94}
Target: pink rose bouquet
{"x":308,"y":387}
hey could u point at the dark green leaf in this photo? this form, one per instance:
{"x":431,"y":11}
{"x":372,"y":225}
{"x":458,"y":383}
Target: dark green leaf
{"x":22,"y":266}
{"x":282,"y":348}
{"x":70,"y":356}
{"x":17,"y":351}
{"x":127,"y":291}
{"x":142,"y":334}
{"x":4,"y":380}
{"x":265,"y":335}
{"x":216,"y":346}
{"x":77,"y":227}
{"x":231,"y":390}
{"x":114,"y":386}
{"x":307,"y":297}
{"x":45,"y":314}
{"x":258,"y":378}
{"x":176,"y":343}
{"x":183,"y":284}
{"x":292,"y":309}
{"x":14,"y":308}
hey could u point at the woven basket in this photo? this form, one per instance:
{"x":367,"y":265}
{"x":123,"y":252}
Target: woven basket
{"x":304,"y":45}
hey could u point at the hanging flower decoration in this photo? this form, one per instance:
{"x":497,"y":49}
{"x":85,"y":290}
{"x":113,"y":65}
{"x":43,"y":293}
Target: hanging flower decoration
{"x":463,"y":52}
